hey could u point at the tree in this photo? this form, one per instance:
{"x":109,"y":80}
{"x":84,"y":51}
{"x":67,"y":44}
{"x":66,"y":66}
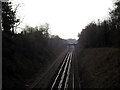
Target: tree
{"x":103,"y":34}
{"x":8,"y":18}
{"x":115,"y":25}
{"x":115,"y":15}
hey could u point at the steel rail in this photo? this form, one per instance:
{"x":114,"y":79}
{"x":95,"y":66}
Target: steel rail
{"x":63,"y":74}
{"x":59,"y":71}
{"x":68,"y":73}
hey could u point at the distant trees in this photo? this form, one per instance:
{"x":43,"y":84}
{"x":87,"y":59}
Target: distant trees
{"x":56,"y":41}
{"x":40,"y":38}
{"x":102,"y":34}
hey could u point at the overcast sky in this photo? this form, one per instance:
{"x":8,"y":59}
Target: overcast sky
{"x":66,"y":17}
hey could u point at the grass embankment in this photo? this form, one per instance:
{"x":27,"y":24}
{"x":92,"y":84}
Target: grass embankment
{"x":99,"y":67}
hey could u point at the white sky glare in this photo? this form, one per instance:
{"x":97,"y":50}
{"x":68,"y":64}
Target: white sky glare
{"x":66,"y":17}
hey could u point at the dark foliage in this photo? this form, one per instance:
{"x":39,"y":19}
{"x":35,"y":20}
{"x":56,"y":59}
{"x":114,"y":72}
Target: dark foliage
{"x":103,"y":34}
{"x":25,"y":53}
{"x":98,"y":52}
{"x":9,"y":19}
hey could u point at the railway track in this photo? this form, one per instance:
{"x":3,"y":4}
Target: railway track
{"x":62,"y":77}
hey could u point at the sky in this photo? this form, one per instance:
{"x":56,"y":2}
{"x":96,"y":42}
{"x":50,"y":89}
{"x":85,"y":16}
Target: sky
{"x":67,"y":18}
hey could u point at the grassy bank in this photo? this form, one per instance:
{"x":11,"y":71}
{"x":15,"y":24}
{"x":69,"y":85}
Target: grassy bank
{"x":99,"y":67}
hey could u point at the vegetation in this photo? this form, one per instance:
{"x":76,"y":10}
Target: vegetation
{"x":26,"y":53}
{"x":99,"y":68}
{"x":9,"y":19}
{"x":98,"y":52}
{"x":102,"y":34}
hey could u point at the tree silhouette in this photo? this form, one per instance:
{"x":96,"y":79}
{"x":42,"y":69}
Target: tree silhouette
{"x":103,"y":34}
{"x":8,"y":18}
